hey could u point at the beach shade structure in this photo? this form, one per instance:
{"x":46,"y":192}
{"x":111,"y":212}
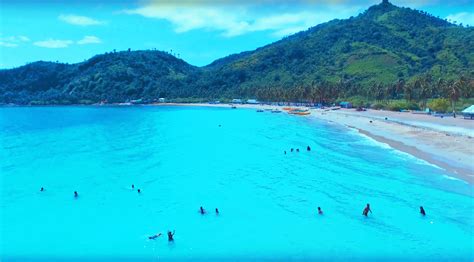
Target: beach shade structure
{"x":468,"y":112}
{"x":345,"y":104}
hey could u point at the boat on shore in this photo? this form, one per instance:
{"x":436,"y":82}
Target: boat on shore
{"x":300,"y":112}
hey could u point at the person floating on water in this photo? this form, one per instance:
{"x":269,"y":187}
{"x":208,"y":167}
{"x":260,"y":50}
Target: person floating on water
{"x":297,"y":150}
{"x":422,"y":211}
{"x":155,"y":236}
{"x":42,"y":189}
{"x":139,"y":191}
{"x":320,"y":211}
{"x":308,"y":148}
{"x":366,"y":210}
{"x":217,"y":211}
{"x":292,"y":150}
{"x":285,"y":152}
{"x":202,"y":211}
{"x":170,"y":236}
{"x":133,"y":186}
{"x":76,"y":194}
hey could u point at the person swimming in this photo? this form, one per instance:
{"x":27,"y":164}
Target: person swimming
{"x":285,"y":152}
{"x":217,"y":211}
{"x":170,"y":236}
{"x":133,"y":186}
{"x":42,"y":189}
{"x":139,"y":191}
{"x":155,"y":236}
{"x":202,"y":211}
{"x":366,"y":210}
{"x":292,"y":150}
{"x":308,"y":148}
{"x":320,"y":211}
{"x":297,"y":150}
{"x":76,"y":194}
{"x":422,"y":211}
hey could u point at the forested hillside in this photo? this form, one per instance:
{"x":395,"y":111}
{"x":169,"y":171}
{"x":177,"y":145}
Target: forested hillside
{"x":387,"y":52}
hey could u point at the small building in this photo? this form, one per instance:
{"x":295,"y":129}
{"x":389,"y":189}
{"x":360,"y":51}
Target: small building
{"x":161,"y":100}
{"x":468,"y":112}
{"x":236,"y":101}
{"x":252,"y":101}
{"x":345,"y":104}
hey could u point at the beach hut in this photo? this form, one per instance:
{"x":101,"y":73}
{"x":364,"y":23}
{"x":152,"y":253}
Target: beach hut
{"x":468,"y":112}
{"x":345,"y":104}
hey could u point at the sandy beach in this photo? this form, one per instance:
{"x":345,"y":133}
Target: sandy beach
{"x":445,"y":142}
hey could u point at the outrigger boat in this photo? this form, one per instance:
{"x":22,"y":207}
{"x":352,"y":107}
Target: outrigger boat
{"x":300,"y":112}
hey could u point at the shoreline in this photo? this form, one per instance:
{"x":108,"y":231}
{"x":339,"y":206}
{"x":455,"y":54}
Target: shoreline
{"x":446,"y":143}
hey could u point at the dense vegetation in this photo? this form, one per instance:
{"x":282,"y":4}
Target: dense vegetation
{"x":383,"y":54}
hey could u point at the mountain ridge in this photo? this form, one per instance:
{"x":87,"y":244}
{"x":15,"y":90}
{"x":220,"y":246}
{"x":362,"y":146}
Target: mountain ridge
{"x":383,"y":45}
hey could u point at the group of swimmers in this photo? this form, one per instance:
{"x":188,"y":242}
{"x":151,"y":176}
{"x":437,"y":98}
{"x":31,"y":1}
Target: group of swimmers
{"x":170,"y":236}
{"x":308,"y":148}
{"x":367,"y":209}
{"x":202,"y":211}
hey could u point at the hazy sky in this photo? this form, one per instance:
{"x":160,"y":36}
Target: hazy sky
{"x":200,"y":31}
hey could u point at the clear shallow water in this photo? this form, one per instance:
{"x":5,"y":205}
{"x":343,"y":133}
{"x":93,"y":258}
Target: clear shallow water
{"x":181,"y":159}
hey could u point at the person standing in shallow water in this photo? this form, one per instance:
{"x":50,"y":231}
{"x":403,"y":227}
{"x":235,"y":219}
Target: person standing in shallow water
{"x":320,"y":211}
{"x":422,"y":211}
{"x":367,"y":210}
{"x":202,"y":211}
{"x":217,"y":211}
{"x":170,"y":236}
{"x":308,"y":148}
{"x":42,"y":189}
{"x":76,"y":194}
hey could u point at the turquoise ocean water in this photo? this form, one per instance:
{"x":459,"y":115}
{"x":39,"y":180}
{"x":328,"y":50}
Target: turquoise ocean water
{"x":181,"y":159}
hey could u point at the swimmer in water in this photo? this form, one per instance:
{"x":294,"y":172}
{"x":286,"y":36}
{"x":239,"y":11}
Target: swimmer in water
{"x":217,"y":211}
{"x":308,"y":148}
{"x":42,"y":189}
{"x":320,"y":211}
{"x":76,"y":194}
{"x":155,"y":236}
{"x":139,"y":191}
{"x":285,"y":152}
{"x":170,"y":236}
{"x":133,"y":186}
{"x":297,"y":150}
{"x":202,"y":211}
{"x":366,"y":210}
{"x":422,"y":211}
{"x":292,"y":150}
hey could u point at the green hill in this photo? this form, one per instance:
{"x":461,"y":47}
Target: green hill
{"x":371,"y":53}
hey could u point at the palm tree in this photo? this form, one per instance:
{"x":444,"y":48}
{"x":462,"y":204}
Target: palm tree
{"x":408,"y":91}
{"x":454,"y":93}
